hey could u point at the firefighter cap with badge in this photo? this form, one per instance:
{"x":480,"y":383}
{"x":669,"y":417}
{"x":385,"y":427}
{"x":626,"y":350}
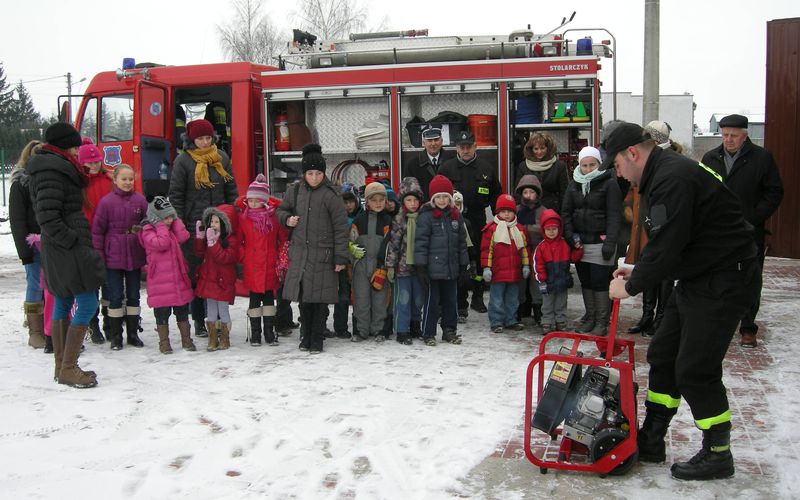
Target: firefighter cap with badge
{"x":465,"y":137}
{"x":623,"y":136}
{"x":431,"y":132}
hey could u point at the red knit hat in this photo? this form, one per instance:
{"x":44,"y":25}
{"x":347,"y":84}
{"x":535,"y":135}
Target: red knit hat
{"x":505,"y":202}
{"x":440,"y":185}
{"x":88,"y":152}
{"x":199,"y":128}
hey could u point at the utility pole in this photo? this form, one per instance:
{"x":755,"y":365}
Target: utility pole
{"x":68,"y":118}
{"x":650,"y":91}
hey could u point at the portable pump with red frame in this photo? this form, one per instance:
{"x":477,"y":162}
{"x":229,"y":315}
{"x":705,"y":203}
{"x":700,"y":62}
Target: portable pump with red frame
{"x":590,"y":403}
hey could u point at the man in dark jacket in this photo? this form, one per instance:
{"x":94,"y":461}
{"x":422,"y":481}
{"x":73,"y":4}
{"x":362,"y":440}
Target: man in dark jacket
{"x":424,"y":165}
{"x":477,"y":181}
{"x":697,"y":235}
{"x":751,"y":173}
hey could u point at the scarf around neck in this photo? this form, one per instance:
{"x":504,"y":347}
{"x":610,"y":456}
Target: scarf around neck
{"x":82,"y":175}
{"x":586,"y":180}
{"x":504,"y":232}
{"x":260,"y":217}
{"x":204,"y":158}
{"x":540,"y":166}
{"x":411,"y":233}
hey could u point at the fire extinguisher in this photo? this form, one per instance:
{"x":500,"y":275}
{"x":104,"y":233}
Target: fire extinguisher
{"x":282,"y":132}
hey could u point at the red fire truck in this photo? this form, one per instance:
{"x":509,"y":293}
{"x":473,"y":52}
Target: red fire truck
{"x":364,"y":100}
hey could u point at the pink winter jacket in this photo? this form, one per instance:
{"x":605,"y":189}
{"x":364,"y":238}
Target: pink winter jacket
{"x":167,"y":273}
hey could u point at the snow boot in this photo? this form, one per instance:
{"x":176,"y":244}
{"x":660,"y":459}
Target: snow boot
{"x":602,"y":309}
{"x":224,"y":330}
{"x":94,"y":331}
{"x":477,"y":298}
{"x":200,"y":329}
{"x":70,"y":373}
{"x":450,"y":336}
{"x":713,"y":461}
{"x":34,"y":313}
{"x":115,"y":319}
{"x":269,"y":325}
{"x":651,"y":436}
{"x":213,"y":336}
{"x":58,"y":329}
{"x":186,"y":336}
{"x":104,"y":314}
{"x":163,"y":339}
{"x":132,"y":326}
{"x":588,"y":302}
{"x":649,"y":298}
{"x":254,"y":317}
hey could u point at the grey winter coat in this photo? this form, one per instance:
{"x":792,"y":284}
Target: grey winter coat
{"x":318,"y":242}
{"x":190,"y":201}
{"x":70,"y":264}
{"x":440,"y":243}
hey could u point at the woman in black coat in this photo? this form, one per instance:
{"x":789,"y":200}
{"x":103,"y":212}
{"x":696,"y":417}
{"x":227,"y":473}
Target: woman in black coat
{"x":72,"y":269}
{"x":592,"y":215}
{"x":23,"y":224}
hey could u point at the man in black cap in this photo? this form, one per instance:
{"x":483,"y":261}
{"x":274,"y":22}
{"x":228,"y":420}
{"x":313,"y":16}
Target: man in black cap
{"x":476,"y":179}
{"x":424,"y":165}
{"x":698,"y":236}
{"x":751,"y":173}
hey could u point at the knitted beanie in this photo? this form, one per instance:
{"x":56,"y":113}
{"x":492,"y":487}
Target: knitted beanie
{"x":312,"y":158}
{"x":160,"y":208}
{"x":440,"y":185}
{"x":62,"y":135}
{"x":505,"y":202}
{"x":373,"y":189}
{"x":88,"y":153}
{"x":259,"y":189}
{"x":199,"y":128}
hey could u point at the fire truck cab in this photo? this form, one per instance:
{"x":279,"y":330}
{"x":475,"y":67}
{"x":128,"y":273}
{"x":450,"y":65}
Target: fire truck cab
{"x":137,"y":114}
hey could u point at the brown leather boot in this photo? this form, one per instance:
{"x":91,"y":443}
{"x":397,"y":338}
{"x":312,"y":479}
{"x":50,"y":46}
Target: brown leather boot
{"x":225,"y":335}
{"x":186,"y":336}
{"x":34,"y":312}
{"x":213,"y":339}
{"x":58,"y":329}
{"x":163,"y":339}
{"x":70,"y":373}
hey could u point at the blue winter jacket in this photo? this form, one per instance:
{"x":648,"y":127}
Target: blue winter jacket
{"x":440,"y":243}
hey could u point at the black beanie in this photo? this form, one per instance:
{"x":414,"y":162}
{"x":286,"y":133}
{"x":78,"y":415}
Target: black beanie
{"x":62,"y":135}
{"x":312,"y":158}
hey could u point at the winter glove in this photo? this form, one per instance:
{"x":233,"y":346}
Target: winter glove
{"x":526,"y":272}
{"x":135,"y":229}
{"x":422,"y":274}
{"x":487,"y":275}
{"x":576,"y":240}
{"x":378,"y":278}
{"x":356,"y":251}
{"x":608,"y":250}
{"x":211,"y":237}
{"x":34,"y":240}
{"x":390,"y":275}
{"x":543,"y":288}
{"x":198,"y":230}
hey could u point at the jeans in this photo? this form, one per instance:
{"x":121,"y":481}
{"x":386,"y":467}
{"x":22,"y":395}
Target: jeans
{"x":408,"y":298}
{"x":503,"y":304}
{"x":121,"y":283}
{"x":86,"y":306}
{"x":33,"y":280}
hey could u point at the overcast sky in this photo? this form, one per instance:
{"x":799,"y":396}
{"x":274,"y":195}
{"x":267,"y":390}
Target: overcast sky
{"x":715,"y":50}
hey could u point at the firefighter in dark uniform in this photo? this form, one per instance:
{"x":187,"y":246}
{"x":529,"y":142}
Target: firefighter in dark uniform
{"x":424,"y":165}
{"x":476,"y":179}
{"x":698,"y":236}
{"x":751,"y":173}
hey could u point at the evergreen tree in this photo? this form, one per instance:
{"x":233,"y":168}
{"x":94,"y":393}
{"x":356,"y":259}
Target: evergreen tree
{"x":23,"y":113}
{"x":6,"y":98}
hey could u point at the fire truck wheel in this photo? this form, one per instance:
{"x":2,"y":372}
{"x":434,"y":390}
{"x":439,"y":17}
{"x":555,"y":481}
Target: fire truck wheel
{"x":604,"y":442}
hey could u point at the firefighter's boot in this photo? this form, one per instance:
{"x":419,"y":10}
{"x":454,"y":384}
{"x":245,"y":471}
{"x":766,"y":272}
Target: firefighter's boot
{"x":132,"y":326}
{"x":587,"y":325}
{"x":70,"y":373}
{"x":651,"y":437}
{"x":163,"y":339}
{"x":34,"y":313}
{"x":714,"y":461}
{"x":213,"y":336}
{"x":186,"y":336}
{"x":649,"y":297}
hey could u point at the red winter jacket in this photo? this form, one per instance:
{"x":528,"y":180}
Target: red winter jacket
{"x":260,"y":253}
{"x":505,"y":260}
{"x":216,"y":276}
{"x":553,"y":256}
{"x":100,"y":184}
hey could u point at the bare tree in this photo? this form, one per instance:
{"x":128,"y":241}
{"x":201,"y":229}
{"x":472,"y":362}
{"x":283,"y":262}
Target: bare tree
{"x":333,"y":19}
{"x":250,"y":35}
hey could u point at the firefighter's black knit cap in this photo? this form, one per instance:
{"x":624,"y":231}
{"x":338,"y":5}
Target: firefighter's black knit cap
{"x":62,"y":135}
{"x":312,"y":158}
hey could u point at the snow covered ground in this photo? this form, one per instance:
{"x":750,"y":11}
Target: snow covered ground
{"x":358,"y":421}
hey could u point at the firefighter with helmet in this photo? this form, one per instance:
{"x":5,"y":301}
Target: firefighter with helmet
{"x":698,"y":236}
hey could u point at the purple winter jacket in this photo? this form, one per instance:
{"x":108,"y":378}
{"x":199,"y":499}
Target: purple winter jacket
{"x":112,"y":238}
{"x":167,"y":272}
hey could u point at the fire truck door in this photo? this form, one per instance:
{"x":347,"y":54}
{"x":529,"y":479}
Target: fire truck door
{"x":149,"y":125}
